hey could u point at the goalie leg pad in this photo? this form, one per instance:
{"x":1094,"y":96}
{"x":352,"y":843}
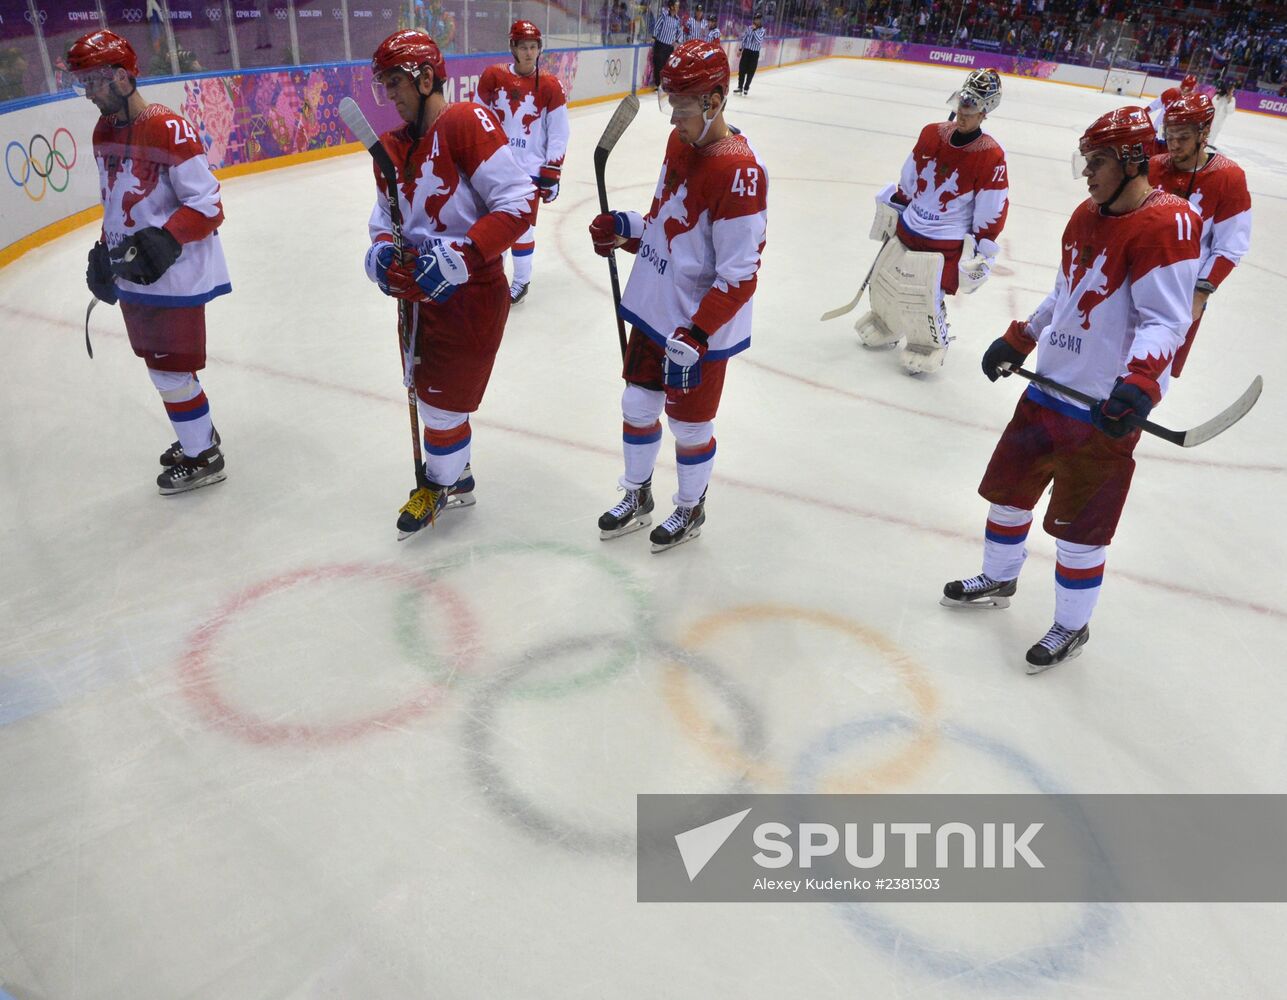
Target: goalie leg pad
{"x":906,"y":295}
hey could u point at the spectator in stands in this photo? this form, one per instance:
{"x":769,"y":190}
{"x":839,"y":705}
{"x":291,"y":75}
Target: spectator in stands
{"x":13,"y":73}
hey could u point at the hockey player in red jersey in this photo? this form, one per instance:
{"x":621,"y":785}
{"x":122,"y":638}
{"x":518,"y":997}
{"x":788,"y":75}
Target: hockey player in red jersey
{"x":158,"y":252}
{"x":464,"y":202}
{"x":688,"y":300}
{"x":1216,"y":187}
{"x":940,"y":224}
{"x":1110,"y":328}
{"x":533,"y":109}
{"x":1157,"y":107}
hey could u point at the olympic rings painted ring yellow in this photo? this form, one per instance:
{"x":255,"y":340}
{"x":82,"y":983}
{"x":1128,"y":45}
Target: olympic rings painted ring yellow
{"x":711,"y":737}
{"x":31,"y":164}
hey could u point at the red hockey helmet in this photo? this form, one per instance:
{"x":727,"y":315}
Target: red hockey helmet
{"x":524,"y":31}
{"x":1188,"y":83}
{"x":1128,"y":132}
{"x":1191,"y":109}
{"x":102,"y":49}
{"x":409,"y":50}
{"x":1170,"y":96}
{"x":696,"y":68}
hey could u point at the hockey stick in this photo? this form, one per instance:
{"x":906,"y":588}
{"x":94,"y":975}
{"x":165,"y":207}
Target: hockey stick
{"x":89,"y":309}
{"x":1218,"y":424}
{"x":361,"y":128}
{"x":865,"y":282}
{"x":617,"y":125}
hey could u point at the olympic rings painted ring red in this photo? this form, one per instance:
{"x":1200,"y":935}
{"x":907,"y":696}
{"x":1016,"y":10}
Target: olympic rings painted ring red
{"x":200,"y":683}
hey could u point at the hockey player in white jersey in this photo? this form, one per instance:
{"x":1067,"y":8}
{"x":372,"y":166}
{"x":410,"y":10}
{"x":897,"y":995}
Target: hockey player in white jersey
{"x":1109,"y":329}
{"x":688,"y":299}
{"x":159,"y":252}
{"x":940,"y":224}
{"x":533,"y":108}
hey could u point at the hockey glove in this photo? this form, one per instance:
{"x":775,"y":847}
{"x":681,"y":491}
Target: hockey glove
{"x":99,"y":274}
{"x":440,"y":271}
{"x":611,"y":230}
{"x":547,"y":183}
{"x":1001,"y":353}
{"x":144,"y":256}
{"x":393,"y":276}
{"x":888,"y":212}
{"x":975,"y":264}
{"x":1126,"y":399}
{"x":684,"y":352}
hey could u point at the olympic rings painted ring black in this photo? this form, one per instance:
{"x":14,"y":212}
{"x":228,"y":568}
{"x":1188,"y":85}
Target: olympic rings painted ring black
{"x":510,"y":803}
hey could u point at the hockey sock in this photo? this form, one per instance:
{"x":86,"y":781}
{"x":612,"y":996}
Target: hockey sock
{"x":1004,"y":541}
{"x":640,"y":433}
{"x":523,"y":253}
{"x":187,"y":407}
{"x":1079,"y":572}
{"x":446,"y":443}
{"x":694,"y":458}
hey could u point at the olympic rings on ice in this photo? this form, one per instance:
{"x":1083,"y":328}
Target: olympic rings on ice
{"x":895,"y":770}
{"x":516,"y":807}
{"x":30,"y":157}
{"x":201,"y":683}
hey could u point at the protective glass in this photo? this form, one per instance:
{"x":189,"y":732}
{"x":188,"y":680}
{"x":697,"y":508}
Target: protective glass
{"x":678,"y":106}
{"x":93,"y":79}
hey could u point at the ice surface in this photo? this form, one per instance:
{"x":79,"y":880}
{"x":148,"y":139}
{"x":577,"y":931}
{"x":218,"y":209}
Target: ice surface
{"x":253,"y":747}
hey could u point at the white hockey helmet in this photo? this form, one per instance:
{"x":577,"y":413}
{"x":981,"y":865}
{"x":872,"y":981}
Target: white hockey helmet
{"x":980,"y":92}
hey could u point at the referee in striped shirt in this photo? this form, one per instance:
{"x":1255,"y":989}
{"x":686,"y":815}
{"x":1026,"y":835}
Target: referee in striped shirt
{"x":666,"y":29}
{"x":752,"y":39}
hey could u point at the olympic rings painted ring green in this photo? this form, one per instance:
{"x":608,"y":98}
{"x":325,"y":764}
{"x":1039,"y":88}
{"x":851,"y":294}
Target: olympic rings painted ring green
{"x":408,"y":634}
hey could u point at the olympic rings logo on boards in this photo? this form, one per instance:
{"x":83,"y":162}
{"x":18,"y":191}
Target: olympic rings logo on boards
{"x":132,"y":15}
{"x":612,"y":69}
{"x":26,"y":16}
{"x":214,"y":14}
{"x":41,"y":159}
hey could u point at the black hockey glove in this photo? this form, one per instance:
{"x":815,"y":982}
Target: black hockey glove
{"x":144,"y":256}
{"x":998,"y":354}
{"x":98,"y":275}
{"x":1111,"y":413}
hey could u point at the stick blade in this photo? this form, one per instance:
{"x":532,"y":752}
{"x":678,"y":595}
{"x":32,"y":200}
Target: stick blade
{"x":1221,"y":422}
{"x":352,"y":116}
{"x":846,"y":308}
{"x":618,"y":123}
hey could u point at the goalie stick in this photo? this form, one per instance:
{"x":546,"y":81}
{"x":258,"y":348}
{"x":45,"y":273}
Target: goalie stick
{"x":1218,"y":424}
{"x":617,"y":125}
{"x":857,"y":298}
{"x":361,"y":129}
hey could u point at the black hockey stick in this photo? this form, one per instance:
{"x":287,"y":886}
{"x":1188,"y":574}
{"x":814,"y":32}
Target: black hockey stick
{"x":617,"y":125}
{"x":853,"y":304}
{"x":89,"y":309}
{"x":361,"y":128}
{"x":1218,"y":424}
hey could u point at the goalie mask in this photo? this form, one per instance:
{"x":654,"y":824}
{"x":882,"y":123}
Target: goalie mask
{"x":980,"y":94}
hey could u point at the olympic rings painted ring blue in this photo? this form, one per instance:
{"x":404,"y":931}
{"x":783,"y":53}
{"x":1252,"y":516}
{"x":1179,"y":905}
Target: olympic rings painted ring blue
{"x":1061,"y":960}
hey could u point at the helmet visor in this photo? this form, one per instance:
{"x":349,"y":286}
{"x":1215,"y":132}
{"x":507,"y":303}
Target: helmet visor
{"x":680,"y":106}
{"x":93,"y":80}
{"x":381,"y":80}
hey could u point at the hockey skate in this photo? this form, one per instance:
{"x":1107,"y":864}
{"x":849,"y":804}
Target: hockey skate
{"x":518,"y":291}
{"x":633,"y":512}
{"x":875,"y":335}
{"x":978,"y":592}
{"x":922,"y":360}
{"x":192,"y":473}
{"x":428,"y":501}
{"x":173,"y":455}
{"x":1055,"y":646}
{"x":683,"y":525}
